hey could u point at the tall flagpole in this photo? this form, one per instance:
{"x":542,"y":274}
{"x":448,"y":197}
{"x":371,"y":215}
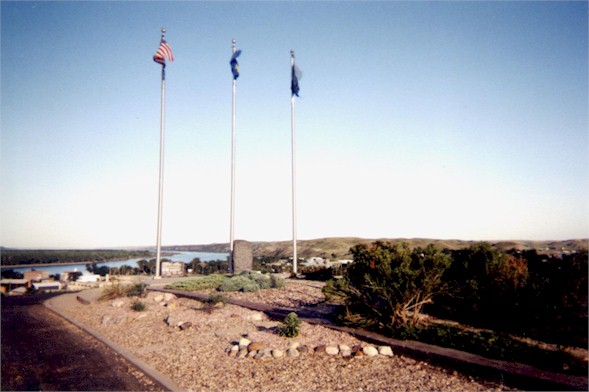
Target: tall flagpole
{"x":161,"y":174}
{"x":232,"y":219}
{"x":294,"y":176}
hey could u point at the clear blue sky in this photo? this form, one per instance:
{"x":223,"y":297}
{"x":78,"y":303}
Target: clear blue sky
{"x":464,"y":120}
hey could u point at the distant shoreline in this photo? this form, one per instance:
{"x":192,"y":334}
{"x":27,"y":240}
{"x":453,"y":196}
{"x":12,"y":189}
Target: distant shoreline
{"x":4,"y":267}
{"x":48,"y":264}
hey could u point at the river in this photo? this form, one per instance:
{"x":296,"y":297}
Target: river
{"x":185,"y":257}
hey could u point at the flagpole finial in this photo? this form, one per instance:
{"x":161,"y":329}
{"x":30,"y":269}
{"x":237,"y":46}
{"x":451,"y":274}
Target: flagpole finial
{"x":291,"y":53}
{"x":233,"y":45}
{"x":163,"y":31}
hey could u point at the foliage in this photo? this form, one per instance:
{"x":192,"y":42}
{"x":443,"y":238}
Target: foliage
{"x":209,"y":267}
{"x":494,"y":345}
{"x":290,"y":327}
{"x":388,"y":284}
{"x":113,"y":292}
{"x":138,"y":306}
{"x":215,"y":299}
{"x":11,"y":274}
{"x":200,"y":283}
{"x":239,"y":283}
{"x":249,"y":281}
{"x":137,"y":290}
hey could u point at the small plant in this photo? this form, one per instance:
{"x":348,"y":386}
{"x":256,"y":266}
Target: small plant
{"x":291,"y":326}
{"x":113,"y":292}
{"x":137,"y":290}
{"x":276,"y":282}
{"x":215,"y":299}
{"x":138,"y":306}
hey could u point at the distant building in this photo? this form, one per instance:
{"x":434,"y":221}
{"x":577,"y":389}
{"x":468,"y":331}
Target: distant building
{"x":171,"y":268}
{"x":89,"y":278}
{"x":36,"y":276}
{"x":47,"y":286}
{"x":7,"y":286}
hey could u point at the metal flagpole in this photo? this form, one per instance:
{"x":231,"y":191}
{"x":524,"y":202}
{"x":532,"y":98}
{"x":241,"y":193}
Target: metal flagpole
{"x":161,"y":174}
{"x":232,"y":223}
{"x":294,"y":177}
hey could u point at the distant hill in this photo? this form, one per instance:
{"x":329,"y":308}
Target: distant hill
{"x":340,"y":246}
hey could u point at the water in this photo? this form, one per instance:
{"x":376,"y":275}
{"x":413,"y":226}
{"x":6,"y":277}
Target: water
{"x":185,"y":257}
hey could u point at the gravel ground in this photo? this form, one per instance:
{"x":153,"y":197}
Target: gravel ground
{"x":195,"y":358}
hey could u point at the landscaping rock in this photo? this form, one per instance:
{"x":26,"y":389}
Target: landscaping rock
{"x":387,"y":351}
{"x":185,"y":325}
{"x":243,"y":342}
{"x":255,"y":346}
{"x":277,"y":353}
{"x":293,"y":352}
{"x":158,"y":298}
{"x":370,"y":351}
{"x":168,"y":297}
{"x":119,"y":303}
{"x":332,"y":350}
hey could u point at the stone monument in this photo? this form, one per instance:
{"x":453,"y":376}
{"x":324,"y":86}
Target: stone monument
{"x":242,"y":256}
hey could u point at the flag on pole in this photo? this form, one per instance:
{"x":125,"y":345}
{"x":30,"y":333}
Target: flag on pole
{"x":234,"y":64}
{"x":294,"y":83}
{"x":163,"y":52}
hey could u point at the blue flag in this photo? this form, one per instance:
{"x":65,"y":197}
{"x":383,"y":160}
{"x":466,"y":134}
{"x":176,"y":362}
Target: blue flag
{"x":296,"y":74}
{"x":234,"y":64}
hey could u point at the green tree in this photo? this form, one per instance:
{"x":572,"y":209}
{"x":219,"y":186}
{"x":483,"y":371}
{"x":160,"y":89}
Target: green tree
{"x":388,"y":284}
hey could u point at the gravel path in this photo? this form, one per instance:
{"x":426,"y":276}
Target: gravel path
{"x":195,"y":358}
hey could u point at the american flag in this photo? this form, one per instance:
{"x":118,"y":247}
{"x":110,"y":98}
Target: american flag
{"x":163,"y":52}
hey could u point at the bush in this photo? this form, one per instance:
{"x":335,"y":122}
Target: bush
{"x":291,"y":326}
{"x":138,"y":306}
{"x":201,"y":283}
{"x":137,"y":290}
{"x":239,"y":283}
{"x":387,"y":285}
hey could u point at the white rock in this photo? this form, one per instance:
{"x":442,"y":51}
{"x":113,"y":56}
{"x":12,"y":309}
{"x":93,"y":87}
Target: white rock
{"x":332,"y":350}
{"x":169,"y":297}
{"x":256,"y":316}
{"x":343,"y":347}
{"x":293,"y":352}
{"x":370,"y":351}
{"x":158,"y":298}
{"x":277,"y":353}
{"x":387,"y":351}
{"x":345,"y":353}
{"x":242,"y":353}
{"x":294,"y":345}
{"x":119,"y":303}
{"x":243,"y":342}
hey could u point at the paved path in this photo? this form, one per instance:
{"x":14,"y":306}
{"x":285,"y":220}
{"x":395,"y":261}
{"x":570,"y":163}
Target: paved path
{"x":42,"y":351}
